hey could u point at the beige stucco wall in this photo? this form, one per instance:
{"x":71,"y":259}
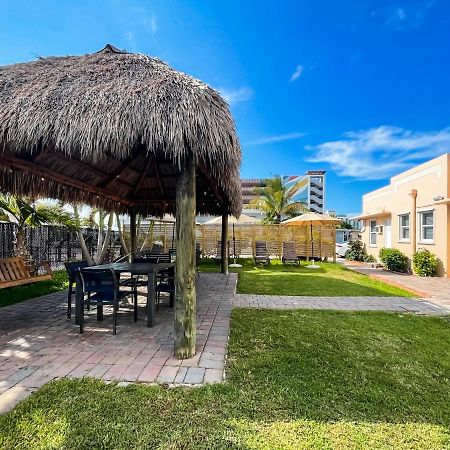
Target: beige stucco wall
{"x":430,"y":179}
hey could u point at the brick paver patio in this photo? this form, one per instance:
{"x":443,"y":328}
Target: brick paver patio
{"x":38,"y":343}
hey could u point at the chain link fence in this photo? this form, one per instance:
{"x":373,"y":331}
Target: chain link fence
{"x":56,"y":244}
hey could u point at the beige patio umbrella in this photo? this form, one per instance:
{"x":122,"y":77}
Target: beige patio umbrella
{"x":311,"y":218}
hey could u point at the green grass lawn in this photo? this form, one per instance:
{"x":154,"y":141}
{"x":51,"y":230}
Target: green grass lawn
{"x":333,"y":280}
{"x":17,"y":294}
{"x":296,"y":380}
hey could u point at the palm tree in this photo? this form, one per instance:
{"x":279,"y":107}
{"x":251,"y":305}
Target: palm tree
{"x":23,"y":212}
{"x":277,"y":200}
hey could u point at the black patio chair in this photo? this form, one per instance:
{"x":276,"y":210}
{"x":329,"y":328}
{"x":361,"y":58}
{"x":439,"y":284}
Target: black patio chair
{"x":289,"y":254}
{"x":71,"y":268}
{"x":103,"y":288}
{"x":165,"y":283}
{"x":261,"y":253}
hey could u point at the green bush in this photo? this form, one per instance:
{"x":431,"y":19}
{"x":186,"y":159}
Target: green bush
{"x":394,"y":259}
{"x":356,"y":251}
{"x":425,"y":263}
{"x":369,"y":259}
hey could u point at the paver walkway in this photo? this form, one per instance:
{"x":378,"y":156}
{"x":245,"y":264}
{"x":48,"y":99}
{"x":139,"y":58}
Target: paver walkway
{"x":436,"y":289}
{"x":38,"y":343}
{"x":338,"y":303}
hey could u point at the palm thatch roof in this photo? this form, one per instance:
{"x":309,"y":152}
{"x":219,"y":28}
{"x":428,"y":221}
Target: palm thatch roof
{"x":110,"y":129}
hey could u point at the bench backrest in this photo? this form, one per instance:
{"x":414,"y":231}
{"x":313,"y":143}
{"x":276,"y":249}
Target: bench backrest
{"x":13,"y":269}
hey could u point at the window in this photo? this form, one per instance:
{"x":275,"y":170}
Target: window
{"x":403,"y":227}
{"x":426,"y":226}
{"x":373,"y":233}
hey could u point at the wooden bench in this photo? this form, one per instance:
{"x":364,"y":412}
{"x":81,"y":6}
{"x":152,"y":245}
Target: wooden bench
{"x":14,"y":272}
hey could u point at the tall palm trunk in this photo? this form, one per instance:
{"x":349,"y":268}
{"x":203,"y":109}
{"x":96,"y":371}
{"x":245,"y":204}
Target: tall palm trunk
{"x":20,"y":244}
{"x":121,"y":236}
{"x":102,"y":252}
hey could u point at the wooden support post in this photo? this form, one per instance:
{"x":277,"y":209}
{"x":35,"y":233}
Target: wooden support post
{"x":320,"y":241}
{"x":280,"y":242}
{"x":185,"y":303}
{"x":308,"y":244}
{"x":224,"y":243}
{"x":133,"y":237}
{"x":165,"y":238}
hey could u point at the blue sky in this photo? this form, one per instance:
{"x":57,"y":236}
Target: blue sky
{"x":359,"y":88}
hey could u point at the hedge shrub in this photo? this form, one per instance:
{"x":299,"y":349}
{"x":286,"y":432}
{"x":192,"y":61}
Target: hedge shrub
{"x":356,"y":251}
{"x":394,"y":259}
{"x":425,"y":263}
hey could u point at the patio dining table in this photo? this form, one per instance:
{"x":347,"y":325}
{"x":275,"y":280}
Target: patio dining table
{"x":147,"y":269}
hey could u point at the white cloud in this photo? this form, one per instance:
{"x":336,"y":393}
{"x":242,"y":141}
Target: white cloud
{"x":379,"y":153}
{"x":408,"y":16}
{"x":278,"y":138}
{"x":150,"y":22}
{"x":297,"y":73}
{"x":233,"y":96}
{"x":129,"y":37}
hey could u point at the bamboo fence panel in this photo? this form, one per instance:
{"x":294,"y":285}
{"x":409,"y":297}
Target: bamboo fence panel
{"x":208,"y":236}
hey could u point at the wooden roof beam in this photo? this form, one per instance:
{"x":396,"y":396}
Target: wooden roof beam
{"x":158,"y":178}
{"x":148,"y":164}
{"x":32,"y":168}
{"x":117,"y":173}
{"x":214,"y":187}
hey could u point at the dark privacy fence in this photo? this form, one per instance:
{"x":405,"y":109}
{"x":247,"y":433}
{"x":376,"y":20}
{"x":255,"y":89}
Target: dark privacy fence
{"x":55,"y":244}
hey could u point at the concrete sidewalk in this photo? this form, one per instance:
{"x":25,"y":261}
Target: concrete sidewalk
{"x":399,"y":304}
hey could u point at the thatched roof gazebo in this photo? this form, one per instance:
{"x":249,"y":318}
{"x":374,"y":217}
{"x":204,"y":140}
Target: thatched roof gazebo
{"x":127,"y":133}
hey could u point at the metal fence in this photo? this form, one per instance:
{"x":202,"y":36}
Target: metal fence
{"x":55,"y":244}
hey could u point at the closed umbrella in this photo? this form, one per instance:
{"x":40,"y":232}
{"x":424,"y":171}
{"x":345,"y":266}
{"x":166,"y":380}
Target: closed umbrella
{"x":311,"y":218}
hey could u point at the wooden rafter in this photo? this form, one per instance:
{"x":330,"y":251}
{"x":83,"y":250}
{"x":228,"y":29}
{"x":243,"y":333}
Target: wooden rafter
{"x":158,"y":178}
{"x":32,"y":168}
{"x":117,"y":173}
{"x":148,"y":164}
{"x":76,"y":162}
{"x":214,"y":187}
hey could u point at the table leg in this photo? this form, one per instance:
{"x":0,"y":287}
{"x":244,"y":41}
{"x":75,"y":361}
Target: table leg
{"x":172,"y":285}
{"x":78,"y":299}
{"x":99,"y":311}
{"x":151,"y":280}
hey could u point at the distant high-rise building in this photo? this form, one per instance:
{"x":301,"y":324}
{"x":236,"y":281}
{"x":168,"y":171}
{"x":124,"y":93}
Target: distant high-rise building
{"x":316,"y":197}
{"x":311,"y":191}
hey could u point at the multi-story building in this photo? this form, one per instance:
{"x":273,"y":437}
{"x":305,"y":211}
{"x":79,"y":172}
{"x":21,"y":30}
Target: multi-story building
{"x":311,"y":192}
{"x":316,"y":190}
{"x":411,"y":213}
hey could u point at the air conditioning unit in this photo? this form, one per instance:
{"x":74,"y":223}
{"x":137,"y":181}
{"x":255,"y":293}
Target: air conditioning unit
{"x":379,"y":229}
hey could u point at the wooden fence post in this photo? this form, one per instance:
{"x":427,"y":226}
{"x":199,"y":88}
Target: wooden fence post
{"x":224,"y":243}
{"x":280,"y":245}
